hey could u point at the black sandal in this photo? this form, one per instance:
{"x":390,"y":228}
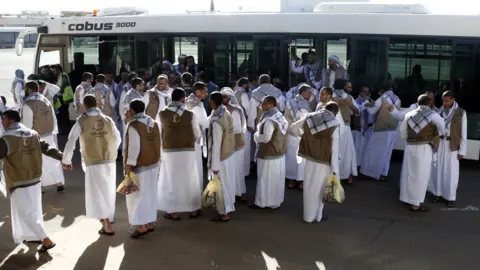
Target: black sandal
{"x":195,"y":214}
{"x":170,"y":216}
{"x":151,"y":230}
{"x":419,"y":209}
{"x":34,"y":242}
{"x":103,"y":232}
{"x":218,"y":218}
{"x":44,"y":248}
{"x":137,"y":234}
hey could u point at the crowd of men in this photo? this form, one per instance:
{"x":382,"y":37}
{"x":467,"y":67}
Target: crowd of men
{"x":315,"y":130}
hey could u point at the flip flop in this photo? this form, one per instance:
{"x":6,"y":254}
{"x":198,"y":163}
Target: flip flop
{"x":34,"y":242}
{"x":136,"y":234}
{"x":103,"y":232}
{"x":44,"y":248}
{"x":151,"y":230}
{"x":218,"y":219}
{"x":172,"y":217}
{"x":195,"y":214}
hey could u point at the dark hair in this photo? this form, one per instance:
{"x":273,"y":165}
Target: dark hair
{"x":59,"y":68}
{"x":328,"y":90}
{"x":100,"y":78}
{"x":32,"y":77}
{"x":13,"y":115}
{"x":32,"y":85}
{"x":4,"y":100}
{"x":87,"y":76}
{"x":199,"y":86}
{"x":90,"y":101}
{"x":242,"y":81}
{"x":203,"y":76}
{"x":339,"y":83}
{"x":178,"y":94}
{"x":187,"y":77}
{"x":136,"y":81}
{"x":217,"y":98}
{"x":431,"y":92}
{"x":424,"y":100}
{"x":270,"y":100}
{"x":304,"y":88}
{"x":449,"y":94}
{"x":300,"y":79}
{"x":333,"y":107}
{"x":264,"y":78}
{"x":385,"y":86}
{"x":122,"y":70}
{"x":137,"y":105}
{"x":190,"y":57}
{"x":41,"y":83}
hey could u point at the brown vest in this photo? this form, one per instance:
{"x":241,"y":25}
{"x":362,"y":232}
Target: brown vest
{"x":317,"y":147}
{"x":23,"y":164}
{"x":97,"y":140}
{"x":428,"y":134}
{"x":228,"y":138}
{"x":385,"y":121}
{"x":177,"y":131}
{"x":42,"y":115}
{"x":149,"y":144}
{"x":456,"y":129}
{"x":276,"y":147}
{"x":346,"y":111}
{"x":153,"y":104}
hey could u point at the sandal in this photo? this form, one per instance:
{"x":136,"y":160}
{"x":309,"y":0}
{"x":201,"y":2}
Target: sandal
{"x":254,"y":206}
{"x":436,"y":199}
{"x":34,"y":242}
{"x":195,"y":214}
{"x":219,"y":218}
{"x":292,"y":185}
{"x":44,"y":248}
{"x":419,"y":209}
{"x":103,"y":232}
{"x":171,"y":216}
{"x":137,"y":234}
{"x":451,"y":204}
{"x":300,"y":186}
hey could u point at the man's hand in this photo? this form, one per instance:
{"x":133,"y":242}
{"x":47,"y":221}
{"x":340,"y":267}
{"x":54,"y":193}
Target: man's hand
{"x":67,"y":167}
{"x":128,"y":169}
{"x":215,"y":172}
{"x":459,"y":157}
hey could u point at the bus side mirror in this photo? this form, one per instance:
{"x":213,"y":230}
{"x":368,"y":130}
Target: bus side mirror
{"x":19,"y":46}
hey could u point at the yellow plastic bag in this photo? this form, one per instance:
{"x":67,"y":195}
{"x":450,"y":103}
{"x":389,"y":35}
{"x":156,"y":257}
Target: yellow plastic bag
{"x":212,"y":196}
{"x":334,"y":192}
{"x":129,"y":184}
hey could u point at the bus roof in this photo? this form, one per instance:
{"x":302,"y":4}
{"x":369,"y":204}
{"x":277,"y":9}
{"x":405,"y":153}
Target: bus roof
{"x":12,"y":29}
{"x":272,"y":23}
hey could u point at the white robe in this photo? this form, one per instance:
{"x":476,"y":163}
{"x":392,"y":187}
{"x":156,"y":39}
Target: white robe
{"x":162,"y":104}
{"x":225,"y":168}
{"x":362,"y":137}
{"x":417,"y":164}
{"x":446,"y":169}
{"x":27,"y":214}
{"x":378,"y":151}
{"x":200,"y":145}
{"x":142,"y":205}
{"x":294,"y":165}
{"x":248,"y":136}
{"x":239,"y":155}
{"x":52,"y":173}
{"x":100,"y":179}
{"x":178,"y":188}
{"x":348,"y":161}
{"x":316,"y":177}
{"x":270,"y":173}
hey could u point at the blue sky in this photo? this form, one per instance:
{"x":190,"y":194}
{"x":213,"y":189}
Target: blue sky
{"x":179,"y":6}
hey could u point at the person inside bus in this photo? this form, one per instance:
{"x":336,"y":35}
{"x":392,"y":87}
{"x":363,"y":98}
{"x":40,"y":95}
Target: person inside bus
{"x":334,"y":72}
{"x":192,"y":67}
{"x":313,"y":71}
{"x":416,"y":83}
{"x":180,"y":67}
{"x":187,"y":82}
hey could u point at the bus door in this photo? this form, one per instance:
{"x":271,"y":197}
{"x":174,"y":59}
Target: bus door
{"x":298,"y":49}
{"x":216,"y":58}
{"x":271,"y":56}
{"x":368,"y":62}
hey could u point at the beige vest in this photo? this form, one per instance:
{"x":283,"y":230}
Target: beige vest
{"x":153,"y":104}
{"x":177,"y":131}
{"x":317,"y":147}
{"x":346,"y":111}
{"x":149,"y":144}
{"x":43,"y":122}
{"x":23,"y":164}
{"x":428,"y":134}
{"x":107,"y":109}
{"x":385,"y":121}
{"x":456,"y":130}
{"x":97,"y":140}
{"x":239,"y":137}
{"x":276,"y":147}
{"x":238,"y":96}
{"x":228,"y":138}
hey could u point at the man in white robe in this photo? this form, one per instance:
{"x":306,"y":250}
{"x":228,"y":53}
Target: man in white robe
{"x":137,"y":92}
{"x":293,"y":92}
{"x":243,"y":98}
{"x":142,"y":156}
{"x":38,"y":114}
{"x":84,"y":87}
{"x":347,"y":105}
{"x":296,"y":108}
{"x":271,"y":138}
{"x":106,"y":101}
{"x":378,"y":152}
{"x":319,"y":147}
{"x":452,"y":149}
{"x":239,"y":128}
{"x":194,"y":103}
{"x":422,"y":129}
{"x":221,"y":147}
{"x":99,"y":141}
{"x":24,"y":185}
{"x":48,"y":90}
{"x":178,"y":188}
{"x":113,"y":86}
{"x":362,"y":132}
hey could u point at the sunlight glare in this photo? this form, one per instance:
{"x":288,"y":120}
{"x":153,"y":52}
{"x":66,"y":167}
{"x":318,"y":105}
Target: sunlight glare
{"x":271,"y":263}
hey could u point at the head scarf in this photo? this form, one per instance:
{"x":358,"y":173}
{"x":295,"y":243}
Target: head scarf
{"x":233,"y":102}
{"x":335,"y":59}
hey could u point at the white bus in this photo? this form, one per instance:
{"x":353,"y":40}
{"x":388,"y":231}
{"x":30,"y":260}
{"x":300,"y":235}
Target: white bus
{"x":8,"y":36}
{"x":378,"y":46}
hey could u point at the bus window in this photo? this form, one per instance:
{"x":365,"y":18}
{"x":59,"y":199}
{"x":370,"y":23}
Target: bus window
{"x":337,"y":47}
{"x":187,"y":46}
{"x":88,"y":46}
{"x":244,"y":50}
{"x":49,"y":57}
{"x":7,"y":40}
